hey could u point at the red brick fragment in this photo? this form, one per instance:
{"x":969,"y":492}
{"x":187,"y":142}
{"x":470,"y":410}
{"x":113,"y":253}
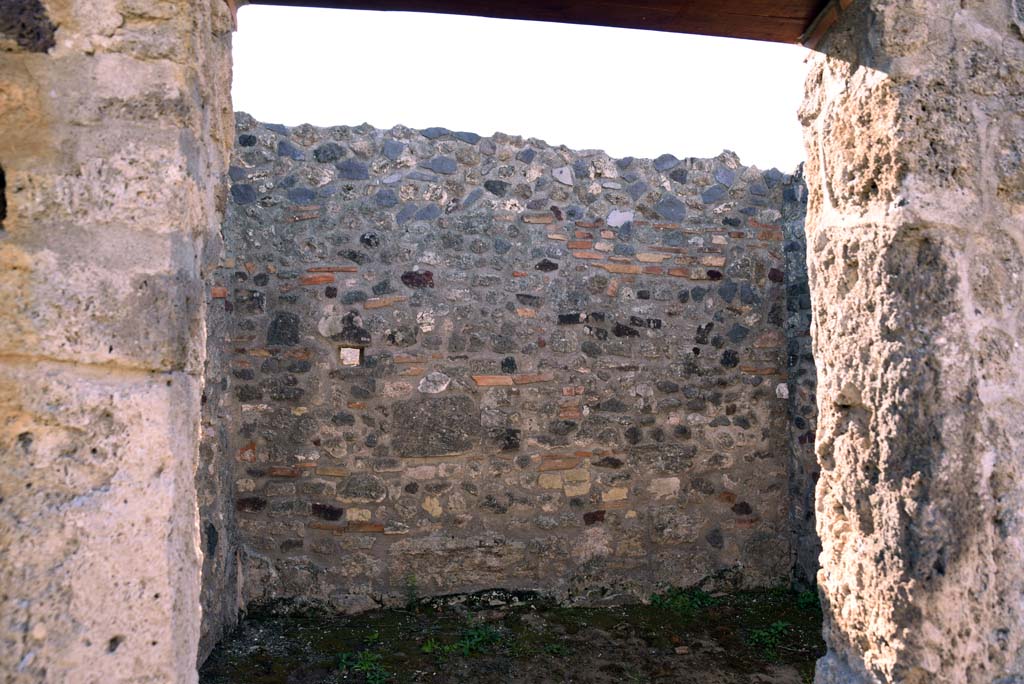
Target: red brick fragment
{"x":317,"y":279}
{"x":333,"y":269}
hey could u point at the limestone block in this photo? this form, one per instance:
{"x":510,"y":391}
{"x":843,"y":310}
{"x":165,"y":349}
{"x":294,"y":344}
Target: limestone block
{"x":90,"y":301}
{"x":97,"y":464}
{"x":915,"y":315}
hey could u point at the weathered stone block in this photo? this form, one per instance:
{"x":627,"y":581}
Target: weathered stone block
{"x":435,"y":426}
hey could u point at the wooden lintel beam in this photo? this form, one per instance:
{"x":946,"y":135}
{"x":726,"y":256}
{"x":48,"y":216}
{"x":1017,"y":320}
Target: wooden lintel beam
{"x":782,"y":21}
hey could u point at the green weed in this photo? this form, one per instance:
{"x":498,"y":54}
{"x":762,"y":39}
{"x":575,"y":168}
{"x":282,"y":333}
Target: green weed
{"x":768,"y":639}
{"x":808,"y":600}
{"x":686,"y":603}
{"x":474,"y":640}
{"x":367,"y":663}
{"x":431,"y":646}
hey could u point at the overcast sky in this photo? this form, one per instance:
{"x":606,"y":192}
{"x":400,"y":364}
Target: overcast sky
{"x":630,"y":93}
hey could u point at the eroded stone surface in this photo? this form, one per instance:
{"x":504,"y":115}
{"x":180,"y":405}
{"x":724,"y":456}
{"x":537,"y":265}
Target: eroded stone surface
{"x":115,"y":121}
{"x":434,"y":427}
{"x":914,"y":245}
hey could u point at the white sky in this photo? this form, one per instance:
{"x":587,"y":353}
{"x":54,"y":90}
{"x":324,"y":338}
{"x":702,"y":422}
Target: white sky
{"x":630,"y":93}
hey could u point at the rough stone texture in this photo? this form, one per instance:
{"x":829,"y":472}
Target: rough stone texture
{"x":914,"y":129}
{"x":800,"y":391}
{"x":114,"y":127}
{"x":468,"y":362}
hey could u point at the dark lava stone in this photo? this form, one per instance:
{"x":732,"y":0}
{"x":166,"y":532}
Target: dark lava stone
{"x":496,"y":187}
{"x":328,"y":152}
{"x":593,"y":517}
{"x":243,"y":194}
{"x":620,"y":330}
{"x":418,"y":279}
{"x":283,"y":330}
{"x":328,"y":512}
{"x":250,"y":504}
{"x":352,"y":169}
{"x":742,"y":508}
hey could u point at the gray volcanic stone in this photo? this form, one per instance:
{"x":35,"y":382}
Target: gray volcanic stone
{"x":715,"y":193}
{"x":637,"y":190}
{"x":301,"y":195}
{"x":670,"y":208}
{"x":406,"y":213}
{"x":386,"y":198}
{"x":725,"y":175}
{"x":363,"y":487}
{"x":666,"y":162}
{"x":428,"y":213}
{"x":287,"y":149}
{"x":434,"y":132}
{"x":434,"y":427}
{"x":243,"y":194}
{"x":352,"y":169}
{"x":393,"y":149}
{"x":445,"y":165}
{"x":679,"y":175}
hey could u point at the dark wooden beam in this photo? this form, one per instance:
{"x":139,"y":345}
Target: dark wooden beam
{"x":780,"y":21}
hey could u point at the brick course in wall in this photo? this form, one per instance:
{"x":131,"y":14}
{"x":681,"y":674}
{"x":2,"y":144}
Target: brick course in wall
{"x":461,"y":363}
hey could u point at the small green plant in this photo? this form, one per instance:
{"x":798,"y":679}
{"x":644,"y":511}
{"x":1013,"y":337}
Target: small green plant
{"x":367,"y":663}
{"x":768,"y":639}
{"x":555,"y":649}
{"x":473,"y":640}
{"x":808,"y":600}
{"x":477,"y":639}
{"x":370,"y":665}
{"x":686,"y":603}
{"x":346,"y":661}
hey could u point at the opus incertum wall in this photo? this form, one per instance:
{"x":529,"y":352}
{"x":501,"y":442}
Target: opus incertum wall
{"x":462,"y":363}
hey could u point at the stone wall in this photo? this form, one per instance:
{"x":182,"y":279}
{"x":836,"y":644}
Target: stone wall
{"x":801,"y":390}
{"x":915,"y":132}
{"x":451,"y":363}
{"x":115,"y":123}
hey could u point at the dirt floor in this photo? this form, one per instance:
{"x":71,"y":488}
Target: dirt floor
{"x":685,"y":636}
